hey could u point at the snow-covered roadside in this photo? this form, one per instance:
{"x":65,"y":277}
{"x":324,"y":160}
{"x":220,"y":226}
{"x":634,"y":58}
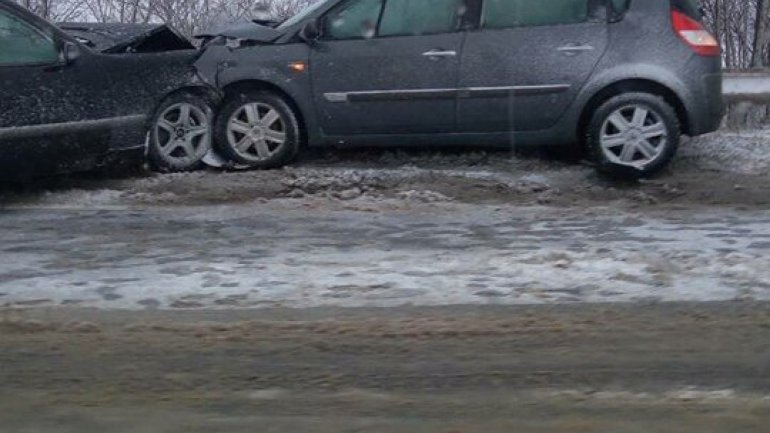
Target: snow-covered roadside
{"x":394,"y":228}
{"x":304,"y":254}
{"x":708,"y":168}
{"x":745,"y":152}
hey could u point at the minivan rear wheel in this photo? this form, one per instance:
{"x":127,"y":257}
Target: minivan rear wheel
{"x":258,"y":129}
{"x":634,"y":135}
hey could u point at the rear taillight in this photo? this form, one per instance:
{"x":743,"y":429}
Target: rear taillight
{"x":694,"y":34}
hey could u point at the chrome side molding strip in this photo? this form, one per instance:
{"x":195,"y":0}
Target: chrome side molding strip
{"x":467,"y":92}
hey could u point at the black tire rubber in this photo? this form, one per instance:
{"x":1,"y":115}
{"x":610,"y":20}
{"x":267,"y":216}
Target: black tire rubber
{"x":653,"y":103}
{"x":156,"y":160}
{"x":293,"y":134}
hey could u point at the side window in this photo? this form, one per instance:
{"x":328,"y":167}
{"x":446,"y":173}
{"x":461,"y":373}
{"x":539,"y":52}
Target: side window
{"x":621,"y":5}
{"x":420,"y":17}
{"x":355,"y":19}
{"x":23,"y":44}
{"x":524,"y":13}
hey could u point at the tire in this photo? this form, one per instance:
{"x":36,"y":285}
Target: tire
{"x":180,"y":133}
{"x":633,"y":135}
{"x":258,"y":129}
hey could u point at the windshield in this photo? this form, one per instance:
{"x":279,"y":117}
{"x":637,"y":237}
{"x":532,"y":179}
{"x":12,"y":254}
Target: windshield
{"x":302,"y":14}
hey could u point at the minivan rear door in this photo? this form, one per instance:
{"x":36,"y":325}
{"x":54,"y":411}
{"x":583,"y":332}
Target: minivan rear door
{"x":527,"y":61}
{"x":385,"y":68}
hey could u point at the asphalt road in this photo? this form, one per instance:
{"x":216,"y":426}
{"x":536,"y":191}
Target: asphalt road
{"x":581,"y":368}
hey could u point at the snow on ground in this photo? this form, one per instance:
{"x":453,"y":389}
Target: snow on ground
{"x":708,"y":168}
{"x":303,"y":254}
{"x":746,"y":152}
{"x":391,"y":228}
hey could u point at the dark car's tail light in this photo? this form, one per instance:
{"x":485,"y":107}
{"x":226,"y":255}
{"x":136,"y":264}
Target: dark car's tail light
{"x":694,"y":34}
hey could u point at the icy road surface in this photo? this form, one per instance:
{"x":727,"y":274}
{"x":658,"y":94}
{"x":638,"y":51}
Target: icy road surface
{"x":306,"y":253}
{"x":396,"y":227}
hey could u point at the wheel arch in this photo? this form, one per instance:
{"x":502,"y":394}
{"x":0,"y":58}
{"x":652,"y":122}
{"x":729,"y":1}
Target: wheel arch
{"x":201,"y":91}
{"x":633,"y":85}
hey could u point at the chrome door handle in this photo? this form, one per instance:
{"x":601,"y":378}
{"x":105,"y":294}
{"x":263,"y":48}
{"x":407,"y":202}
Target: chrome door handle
{"x":437,"y":54}
{"x":574,"y":49}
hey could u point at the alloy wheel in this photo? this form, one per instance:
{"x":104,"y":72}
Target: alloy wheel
{"x":256,"y":132}
{"x":183,"y":134}
{"x":633,"y":136}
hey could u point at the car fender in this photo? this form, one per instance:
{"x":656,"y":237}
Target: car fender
{"x":274,"y":67}
{"x":626,"y":72}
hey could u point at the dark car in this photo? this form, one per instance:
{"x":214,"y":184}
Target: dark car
{"x":625,"y":78}
{"x":67,"y":107}
{"x":117,"y":38}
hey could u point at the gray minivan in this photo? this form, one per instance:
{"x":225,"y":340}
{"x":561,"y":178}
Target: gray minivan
{"x":624,"y":78}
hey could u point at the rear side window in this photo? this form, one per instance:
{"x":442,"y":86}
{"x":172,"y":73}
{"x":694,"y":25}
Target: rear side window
{"x":23,"y":44}
{"x":420,"y":17}
{"x":353,"y":20}
{"x":526,"y":13}
{"x":357,"y":19}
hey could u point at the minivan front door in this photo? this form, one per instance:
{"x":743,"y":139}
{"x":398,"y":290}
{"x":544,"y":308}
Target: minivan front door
{"x":527,"y":62}
{"x":387,"y":67}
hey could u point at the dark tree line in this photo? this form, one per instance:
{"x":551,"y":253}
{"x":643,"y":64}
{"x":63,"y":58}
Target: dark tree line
{"x":742,"y":28}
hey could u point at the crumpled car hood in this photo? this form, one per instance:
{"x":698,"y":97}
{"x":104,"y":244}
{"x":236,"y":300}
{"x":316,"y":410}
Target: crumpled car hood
{"x":128,"y":38}
{"x":247,"y":31}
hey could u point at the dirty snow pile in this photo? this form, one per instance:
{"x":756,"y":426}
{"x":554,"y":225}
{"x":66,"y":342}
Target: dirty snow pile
{"x":744,"y":152}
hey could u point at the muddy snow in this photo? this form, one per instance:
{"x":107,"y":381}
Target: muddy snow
{"x":746,"y":152}
{"x":719,"y":169}
{"x":385,"y":228}
{"x":525,"y":292}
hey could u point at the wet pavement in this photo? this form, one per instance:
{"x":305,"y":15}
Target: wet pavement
{"x":307,"y":253}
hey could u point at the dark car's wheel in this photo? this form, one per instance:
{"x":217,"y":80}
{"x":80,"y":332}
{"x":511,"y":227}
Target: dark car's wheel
{"x":634,"y":135}
{"x":181,"y":133}
{"x":258,"y":129}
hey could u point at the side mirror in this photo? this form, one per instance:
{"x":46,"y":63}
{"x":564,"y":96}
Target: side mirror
{"x":69,"y":53}
{"x":311,"y":32}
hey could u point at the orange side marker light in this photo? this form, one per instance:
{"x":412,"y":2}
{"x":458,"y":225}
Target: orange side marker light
{"x":298,"y":66}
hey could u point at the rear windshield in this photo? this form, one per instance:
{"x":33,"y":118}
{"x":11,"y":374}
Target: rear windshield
{"x":689,"y":7}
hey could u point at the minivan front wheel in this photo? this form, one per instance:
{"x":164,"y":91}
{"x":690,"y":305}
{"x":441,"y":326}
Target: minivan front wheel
{"x":634,"y":135}
{"x":258,"y":129}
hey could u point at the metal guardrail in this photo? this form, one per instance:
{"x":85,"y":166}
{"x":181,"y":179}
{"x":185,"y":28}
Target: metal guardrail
{"x":746,"y":87}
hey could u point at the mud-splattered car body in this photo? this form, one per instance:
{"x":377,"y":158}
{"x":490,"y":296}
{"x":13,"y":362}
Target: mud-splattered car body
{"x":538,"y":77}
{"x":66,"y":107}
